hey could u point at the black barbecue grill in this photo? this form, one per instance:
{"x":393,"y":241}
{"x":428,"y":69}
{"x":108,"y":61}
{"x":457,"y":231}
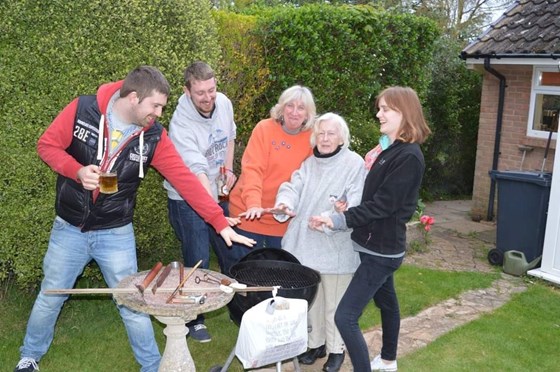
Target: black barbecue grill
{"x":269,"y":267}
{"x":295,"y":280}
{"x":269,"y":273}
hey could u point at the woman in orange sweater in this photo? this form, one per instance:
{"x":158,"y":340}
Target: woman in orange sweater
{"x":277,"y":146}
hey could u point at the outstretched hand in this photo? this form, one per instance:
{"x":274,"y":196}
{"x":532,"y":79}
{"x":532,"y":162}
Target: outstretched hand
{"x":229,"y":235}
{"x":317,"y":222}
{"x":252,"y":213}
{"x":283,"y":209}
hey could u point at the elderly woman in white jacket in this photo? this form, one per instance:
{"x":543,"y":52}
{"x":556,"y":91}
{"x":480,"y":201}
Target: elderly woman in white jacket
{"x":333,"y":173}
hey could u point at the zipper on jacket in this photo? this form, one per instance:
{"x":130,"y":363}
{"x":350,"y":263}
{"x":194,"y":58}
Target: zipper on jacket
{"x":86,"y":208}
{"x":106,"y":163}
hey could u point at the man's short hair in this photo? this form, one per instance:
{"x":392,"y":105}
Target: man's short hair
{"x":197,"y":71}
{"x":144,"y":80}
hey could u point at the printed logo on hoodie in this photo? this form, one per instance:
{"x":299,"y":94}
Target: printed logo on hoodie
{"x":135,"y":153}
{"x":86,"y":133}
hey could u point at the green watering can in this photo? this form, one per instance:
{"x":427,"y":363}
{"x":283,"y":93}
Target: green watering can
{"x":516,"y":264}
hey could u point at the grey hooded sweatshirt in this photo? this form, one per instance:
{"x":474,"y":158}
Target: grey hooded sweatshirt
{"x":201,"y":142}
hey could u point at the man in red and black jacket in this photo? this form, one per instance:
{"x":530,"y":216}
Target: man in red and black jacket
{"x":114,"y":130}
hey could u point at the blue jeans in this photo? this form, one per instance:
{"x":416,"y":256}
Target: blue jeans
{"x":68,"y":253}
{"x":196,"y":237}
{"x":372,"y":280}
{"x":239,"y":251}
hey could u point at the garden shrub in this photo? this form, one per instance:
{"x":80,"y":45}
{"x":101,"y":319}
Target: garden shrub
{"x":346,"y":55}
{"x":453,"y":108}
{"x":53,"y":51}
{"x":243,"y":73}
{"x":50,"y":52}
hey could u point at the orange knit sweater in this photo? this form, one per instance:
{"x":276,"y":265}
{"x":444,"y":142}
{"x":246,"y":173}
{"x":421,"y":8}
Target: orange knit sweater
{"x":269,"y":159}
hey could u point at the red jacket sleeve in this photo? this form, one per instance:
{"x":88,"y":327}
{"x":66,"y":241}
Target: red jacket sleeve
{"x":53,"y":143}
{"x":169,"y":163}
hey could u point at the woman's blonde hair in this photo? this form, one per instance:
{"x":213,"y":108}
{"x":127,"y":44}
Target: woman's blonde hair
{"x":414,"y":128}
{"x":295,"y":93}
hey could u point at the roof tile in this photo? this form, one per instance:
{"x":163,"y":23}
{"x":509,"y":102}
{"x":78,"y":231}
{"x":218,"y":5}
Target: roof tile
{"x":528,"y":27}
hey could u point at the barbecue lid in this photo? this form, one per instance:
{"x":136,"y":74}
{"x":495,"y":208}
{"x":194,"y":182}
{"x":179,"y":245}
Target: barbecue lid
{"x":295,"y":280}
{"x":274,"y":254}
{"x":288,"y":275}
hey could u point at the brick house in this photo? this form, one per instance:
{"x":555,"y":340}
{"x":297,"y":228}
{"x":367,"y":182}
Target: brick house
{"x":519,"y":57}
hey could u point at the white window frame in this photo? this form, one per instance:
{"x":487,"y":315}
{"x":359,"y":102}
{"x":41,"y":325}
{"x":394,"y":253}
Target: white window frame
{"x":536,"y":88}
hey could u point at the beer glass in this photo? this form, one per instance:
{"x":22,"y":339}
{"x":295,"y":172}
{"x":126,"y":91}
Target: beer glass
{"x":108,"y":182}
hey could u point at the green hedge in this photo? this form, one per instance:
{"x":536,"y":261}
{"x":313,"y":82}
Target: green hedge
{"x":453,"y":110}
{"x":52,"y":51}
{"x":243,"y":73}
{"x":346,"y":55}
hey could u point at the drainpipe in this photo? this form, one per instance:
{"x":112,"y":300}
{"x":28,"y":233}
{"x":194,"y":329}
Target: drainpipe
{"x":490,"y":212}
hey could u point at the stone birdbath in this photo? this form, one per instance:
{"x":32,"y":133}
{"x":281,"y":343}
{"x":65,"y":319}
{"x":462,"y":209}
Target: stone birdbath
{"x":201,"y":293}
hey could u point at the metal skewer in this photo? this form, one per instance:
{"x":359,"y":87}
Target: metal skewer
{"x":160,"y":290}
{"x":180,"y":286}
{"x":159,"y":282}
{"x":149,"y":277}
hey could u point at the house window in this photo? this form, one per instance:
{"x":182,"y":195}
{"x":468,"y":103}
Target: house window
{"x":545,"y":102}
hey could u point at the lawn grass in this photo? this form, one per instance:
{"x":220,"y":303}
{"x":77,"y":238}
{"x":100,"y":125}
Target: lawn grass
{"x":523,"y":335}
{"x":419,"y":288}
{"x":91,"y":337}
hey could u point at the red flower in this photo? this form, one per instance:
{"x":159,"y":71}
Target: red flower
{"x":427,"y":221}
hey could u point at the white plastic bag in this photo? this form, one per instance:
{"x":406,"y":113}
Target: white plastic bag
{"x":271,"y":331}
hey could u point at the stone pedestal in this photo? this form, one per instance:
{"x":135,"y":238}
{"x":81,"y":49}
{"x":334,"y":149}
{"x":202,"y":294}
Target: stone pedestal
{"x":176,"y":357}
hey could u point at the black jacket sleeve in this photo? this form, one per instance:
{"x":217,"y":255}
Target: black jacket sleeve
{"x":391,"y":192}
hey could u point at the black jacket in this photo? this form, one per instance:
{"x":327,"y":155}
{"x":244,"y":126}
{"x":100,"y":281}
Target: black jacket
{"x":389,"y":199}
{"x":75,"y":204}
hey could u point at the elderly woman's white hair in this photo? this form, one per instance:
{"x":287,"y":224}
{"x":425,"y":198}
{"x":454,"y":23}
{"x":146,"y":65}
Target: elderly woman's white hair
{"x":343,"y":130}
{"x":297,"y":92}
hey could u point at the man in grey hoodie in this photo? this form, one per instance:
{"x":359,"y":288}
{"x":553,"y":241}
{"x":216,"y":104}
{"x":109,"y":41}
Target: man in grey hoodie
{"x":203,"y":131}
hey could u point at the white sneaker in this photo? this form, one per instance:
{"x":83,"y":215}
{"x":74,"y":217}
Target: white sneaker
{"x":378,"y":365}
{"x":26,"y":365}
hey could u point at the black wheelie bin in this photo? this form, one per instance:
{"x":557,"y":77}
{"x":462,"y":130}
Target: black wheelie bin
{"x":522,"y":210}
